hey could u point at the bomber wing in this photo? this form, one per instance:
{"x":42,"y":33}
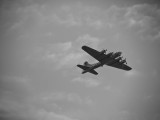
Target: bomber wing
{"x":94,"y":53}
{"x":120,"y":66}
{"x":99,"y":56}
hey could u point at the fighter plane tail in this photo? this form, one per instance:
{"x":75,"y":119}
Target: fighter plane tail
{"x":85,"y":68}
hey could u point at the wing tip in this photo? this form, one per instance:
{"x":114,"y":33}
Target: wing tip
{"x":129,"y":68}
{"x":78,"y":65}
{"x":96,"y":74}
{"x":84,"y":46}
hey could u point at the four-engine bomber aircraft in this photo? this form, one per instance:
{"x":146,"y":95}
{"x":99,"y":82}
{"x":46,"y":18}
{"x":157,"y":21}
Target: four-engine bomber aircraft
{"x":110,"y":59}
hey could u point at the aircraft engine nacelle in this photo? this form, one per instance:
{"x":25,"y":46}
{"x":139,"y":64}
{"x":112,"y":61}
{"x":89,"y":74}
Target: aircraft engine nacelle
{"x":119,"y":58}
{"x":112,"y":55}
{"x":123,"y":61}
{"x":103,"y":51}
{"x":115,"y":55}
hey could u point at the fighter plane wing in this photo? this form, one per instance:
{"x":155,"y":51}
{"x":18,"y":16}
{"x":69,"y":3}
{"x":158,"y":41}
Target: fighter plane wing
{"x":120,"y":66}
{"x":94,"y":53}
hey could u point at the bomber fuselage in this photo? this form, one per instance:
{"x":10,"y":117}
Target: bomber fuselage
{"x":105,"y":60}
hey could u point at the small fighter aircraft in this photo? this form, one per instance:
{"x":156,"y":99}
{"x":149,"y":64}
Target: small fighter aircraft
{"x":111,"y":59}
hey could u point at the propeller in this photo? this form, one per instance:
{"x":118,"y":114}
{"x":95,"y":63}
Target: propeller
{"x":125,"y":61}
{"x":104,"y":50}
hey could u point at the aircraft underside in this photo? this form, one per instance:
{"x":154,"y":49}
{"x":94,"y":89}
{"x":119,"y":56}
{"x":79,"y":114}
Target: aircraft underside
{"x":110,"y":59}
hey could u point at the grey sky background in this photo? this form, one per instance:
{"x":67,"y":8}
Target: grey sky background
{"x":40,"y":46}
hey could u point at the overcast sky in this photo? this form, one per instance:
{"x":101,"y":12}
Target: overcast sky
{"x":40,"y":46}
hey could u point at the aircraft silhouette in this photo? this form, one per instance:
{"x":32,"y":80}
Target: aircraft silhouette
{"x":111,"y":59}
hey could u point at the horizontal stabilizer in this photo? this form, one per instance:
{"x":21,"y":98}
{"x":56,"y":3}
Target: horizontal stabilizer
{"x":93,"y":72}
{"x":82,"y":67}
{"x":85,"y":68}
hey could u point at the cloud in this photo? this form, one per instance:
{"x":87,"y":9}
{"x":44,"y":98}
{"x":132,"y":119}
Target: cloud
{"x":15,"y":93}
{"x":19,"y":102}
{"x":70,"y":60}
{"x":69,"y":21}
{"x":141,"y":17}
{"x":88,"y":82}
{"x":156,"y":116}
{"x":27,"y":112}
{"x":16,"y":87}
{"x":126,"y":115}
{"x":41,"y":26}
{"x":61,"y":96}
{"x":97,"y":24}
{"x":40,"y":19}
{"x":78,"y":15}
{"x":88,"y":40}
{"x":108,"y":88}
{"x":44,"y":115}
{"x":61,"y":105}
{"x":71,"y":15}
{"x":137,"y":18}
{"x":132,"y":73}
{"x":64,"y":54}
{"x":72,"y":98}
{"x":144,"y":18}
